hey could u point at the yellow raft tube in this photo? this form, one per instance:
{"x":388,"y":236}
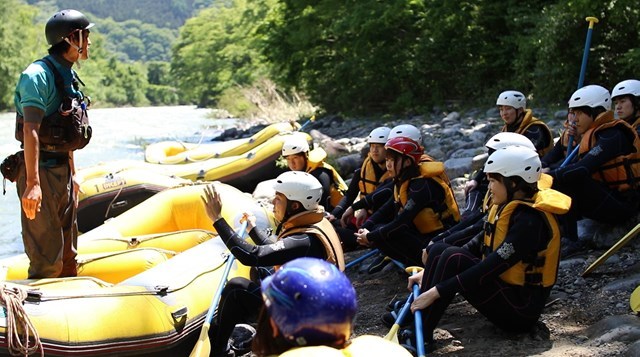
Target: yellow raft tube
{"x":177,"y":152}
{"x":146,"y":280}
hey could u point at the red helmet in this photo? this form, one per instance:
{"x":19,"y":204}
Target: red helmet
{"x":405,"y":146}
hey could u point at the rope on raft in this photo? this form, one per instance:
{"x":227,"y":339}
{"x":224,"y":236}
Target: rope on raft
{"x":18,"y":323}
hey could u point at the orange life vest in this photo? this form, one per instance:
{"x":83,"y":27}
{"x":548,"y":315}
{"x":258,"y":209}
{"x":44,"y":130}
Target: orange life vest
{"x":314,"y":223}
{"x":368,"y":180}
{"x":622,"y":172}
{"x":528,"y":121}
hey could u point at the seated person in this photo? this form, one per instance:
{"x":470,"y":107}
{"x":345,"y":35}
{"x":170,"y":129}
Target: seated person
{"x":604,"y":177}
{"x":626,"y":100}
{"x":296,"y":151}
{"x":423,"y":204}
{"x":309,"y":310}
{"x":472,"y":224}
{"x":517,"y":119}
{"x":365,"y":180}
{"x":303,"y":232}
{"x":506,"y":272}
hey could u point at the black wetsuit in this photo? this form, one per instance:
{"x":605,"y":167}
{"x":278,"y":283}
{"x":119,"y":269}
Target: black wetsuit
{"x":462,"y":270}
{"x":325,"y":177}
{"x":394,"y":233}
{"x":241,"y":298}
{"x":590,"y":198}
{"x":371,"y":202}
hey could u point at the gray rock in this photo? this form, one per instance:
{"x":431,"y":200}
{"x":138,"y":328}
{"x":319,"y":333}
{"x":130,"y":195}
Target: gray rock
{"x":628,"y":283}
{"x":621,"y":328}
{"x":633,"y":350}
{"x":492,"y":112}
{"x":347,"y":164}
{"x":458,"y":166}
{"x":561,"y":114}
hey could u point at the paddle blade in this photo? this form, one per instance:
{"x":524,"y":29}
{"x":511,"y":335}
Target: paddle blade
{"x":635,"y":300}
{"x":203,"y":346}
{"x":393,"y":334}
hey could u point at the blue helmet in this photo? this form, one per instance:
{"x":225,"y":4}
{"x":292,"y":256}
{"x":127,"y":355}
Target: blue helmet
{"x":311,"y":302}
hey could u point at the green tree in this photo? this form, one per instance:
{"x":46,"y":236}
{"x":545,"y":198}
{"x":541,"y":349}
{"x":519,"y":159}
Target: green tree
{"x":217,"y":50}
{"x":22,"y":41}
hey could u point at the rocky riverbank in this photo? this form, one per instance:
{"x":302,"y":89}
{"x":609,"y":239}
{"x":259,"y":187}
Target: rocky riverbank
{"x":586,"y":316}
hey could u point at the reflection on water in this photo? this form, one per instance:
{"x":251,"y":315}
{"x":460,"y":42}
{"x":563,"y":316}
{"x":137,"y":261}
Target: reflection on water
{"x":118,"y":133}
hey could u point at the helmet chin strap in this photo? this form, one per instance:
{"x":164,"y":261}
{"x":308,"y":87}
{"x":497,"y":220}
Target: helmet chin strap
{"x":78,"y":47}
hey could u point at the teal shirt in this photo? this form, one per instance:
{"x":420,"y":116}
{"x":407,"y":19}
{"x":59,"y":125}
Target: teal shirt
{"x":37,"y":88}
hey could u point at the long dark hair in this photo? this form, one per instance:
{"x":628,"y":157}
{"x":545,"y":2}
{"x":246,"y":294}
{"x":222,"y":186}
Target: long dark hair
{"x":264,"y":344}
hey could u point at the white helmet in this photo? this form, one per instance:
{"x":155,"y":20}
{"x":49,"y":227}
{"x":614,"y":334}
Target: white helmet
{"x":592,"y":96}
{"x":378,"y":135}
{"x":504,"y":139}
{"x":299,"y":186}
{"x":512,"y":98}
{"x":295,"y":144}
{"x":515,"y":161}
{"x":628,"y":87}
{"x":406,"y":130}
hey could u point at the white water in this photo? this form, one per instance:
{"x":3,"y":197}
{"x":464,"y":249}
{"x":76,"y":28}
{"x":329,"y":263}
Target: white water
{"x":118,"y":133}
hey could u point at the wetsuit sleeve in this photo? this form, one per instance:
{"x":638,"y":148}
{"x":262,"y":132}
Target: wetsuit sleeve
{"x":280,"y":252}
{"x":324,"y":176}
{"x":475,"y":244}
{"x":376,"y":199}
{"x":260,"y":236}
{"x":422,"y":193}
{"x":528,"y":233}
{"x":382,"y":215}
{"x":554,"y":157}
{"x":349,"y":196}
{"x":539,"y":136}
{"x":611,"y":142}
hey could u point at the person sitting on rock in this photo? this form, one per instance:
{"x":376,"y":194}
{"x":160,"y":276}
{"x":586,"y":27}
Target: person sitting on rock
{"x":472,"y":224}
{"x":517,"y":119}
{"x":303,"y":232}
{"x":423,"y":204}
{"x":506,"y":272}
{"x":310,"y":308}
{"x":604,"y":177}
{"x":295,"y":150}
{"x":626,"y":100}
{"x":365,"y":181}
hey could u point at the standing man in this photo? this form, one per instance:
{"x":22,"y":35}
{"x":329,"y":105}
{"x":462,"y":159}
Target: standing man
{"x":51,"y":123}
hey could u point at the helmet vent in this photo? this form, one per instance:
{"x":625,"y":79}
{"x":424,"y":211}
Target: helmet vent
{"x":297,"y":296}
{"x":527,"y":168}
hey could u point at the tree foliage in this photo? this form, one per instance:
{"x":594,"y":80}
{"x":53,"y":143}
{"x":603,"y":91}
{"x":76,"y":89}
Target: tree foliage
{"x":217,"y":50}
{"x":16,"y":25}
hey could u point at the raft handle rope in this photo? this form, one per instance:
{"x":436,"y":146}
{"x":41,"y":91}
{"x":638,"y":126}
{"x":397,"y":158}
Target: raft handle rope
{"x":18,"y":322}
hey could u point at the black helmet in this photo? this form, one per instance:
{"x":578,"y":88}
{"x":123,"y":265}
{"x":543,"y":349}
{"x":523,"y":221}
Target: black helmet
{"x":63,"y":23}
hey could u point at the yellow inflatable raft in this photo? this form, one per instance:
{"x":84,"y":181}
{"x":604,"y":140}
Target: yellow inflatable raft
{"x":111,"y":188}
{"x":177,"y":152}
{"x":146,"y":280}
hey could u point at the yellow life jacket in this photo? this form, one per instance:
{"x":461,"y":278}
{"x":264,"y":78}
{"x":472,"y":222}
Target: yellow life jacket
{"x":623,"y":172}
{"x":314,"y":223}
{"x":540,"y":269}
{"x":528,"y":121}
{"x":368,"y":180}
{"x":363,"y":346}
{"x":428,"y":220}
{"x":338,"y":188}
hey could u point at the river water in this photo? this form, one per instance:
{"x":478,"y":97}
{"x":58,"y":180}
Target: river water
{"x":118,"y":133}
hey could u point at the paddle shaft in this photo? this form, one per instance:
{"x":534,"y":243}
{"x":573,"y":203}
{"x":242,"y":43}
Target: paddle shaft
{"x":624,"y":240}
{"x":393,"y":333}
{"x":417,"y":316}
{"x":583,"y":67}
{"x":230,"y":260}
{"x":571,"y":156}
{"x":361,"y":258}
